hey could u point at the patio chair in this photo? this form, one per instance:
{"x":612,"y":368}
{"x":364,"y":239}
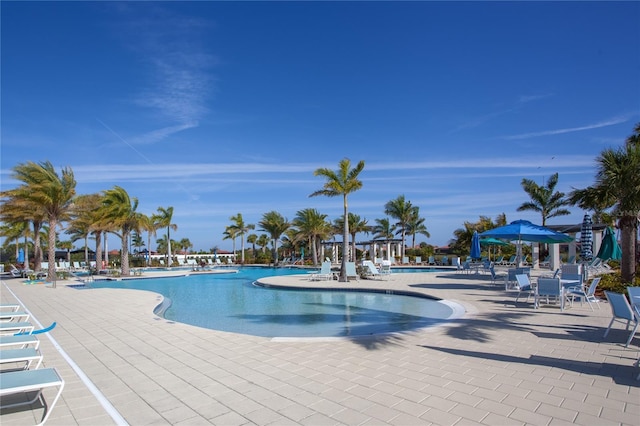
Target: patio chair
{"x":524,"y":286}
{"x":549,"y":287}
{"x":385,"y":268}
{"x":418,"y":260}
{"x":324,"y":274}
{"x":28,"y":381}
{"x":587,"y":294}
{"x":444,"y":261}
{"x":499,"y":260}
{"x":511,"y":261}
{"x":432,"y":260}
{"x":621,"y":311}
{"x":545,"y":263}
{"x":495,"y":276}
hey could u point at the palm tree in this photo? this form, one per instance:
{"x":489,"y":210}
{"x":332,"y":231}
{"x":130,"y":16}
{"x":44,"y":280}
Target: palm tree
{"x":263,"y":241}
{"x":618,"y":185}
{"x":251,"y":239}
{"x":43,"y":187}
{"x":120,"y":210}
{"x":241,"y":229}
{"x":185,"y":244}
{"x":402,"y":211}
{"x":342,"y":182}
{"x":356,"y":224}
{"x":544,"y":200}
{"x":83,"y":220}
{"x":148,"y":223}
{"x":275,"y":225}
{"x":384,"y":230}
{"x":313,"y":226}
{"x":416,"y":226}
{"x":163,"y":218}
{"x":230,"y":233}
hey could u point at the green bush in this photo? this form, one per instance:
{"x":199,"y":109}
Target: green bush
{"x":613,"y":282}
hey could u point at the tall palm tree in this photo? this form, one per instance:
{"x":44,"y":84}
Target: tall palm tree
{"x":54,"y":193}
{"x":617,"y":184}
{"x":313,"y":226}
{"x":120,"y":210}
{"x":263,"y":241}
{"x":416,"y":226}
{"x":230,"y":233}
{"x":148,"y":224}
{"x":163,"y":218}
{"x":342,"y":182}
{"x":403,"y":212}
{"x":275,"y":225}
{"x":241,"y":229}
{"x":83,"y":220}
{"x":544,"y":200}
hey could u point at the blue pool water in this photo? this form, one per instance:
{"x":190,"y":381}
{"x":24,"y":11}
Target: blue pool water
{"x":230,"y":302}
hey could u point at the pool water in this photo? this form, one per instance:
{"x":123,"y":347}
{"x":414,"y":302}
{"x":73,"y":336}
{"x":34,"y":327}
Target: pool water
{"x":231,"y":302}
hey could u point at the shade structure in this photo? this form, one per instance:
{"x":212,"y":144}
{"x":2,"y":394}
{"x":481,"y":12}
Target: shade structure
{"x":586,"y":239}
{"x":475,"y":246}
{"x":21,"y":256}
{"x":609,"y":249}
{"x":523,"y":230}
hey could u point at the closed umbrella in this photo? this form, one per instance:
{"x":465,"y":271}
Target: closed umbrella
{"x":586,"y":239}
{"x":21,"y":256}
{"x":609,"y":249}
{"x":475,"y":246}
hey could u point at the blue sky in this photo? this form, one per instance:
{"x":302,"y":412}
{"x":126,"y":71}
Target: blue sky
{"x":219,"y":108}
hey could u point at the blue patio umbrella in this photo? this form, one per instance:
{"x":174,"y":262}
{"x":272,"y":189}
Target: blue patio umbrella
{"x":21,"y":256}
{"x":523,"y":230}
{"x":609,"y":249}
{"x":586,"y":239}
{"x":475,"y":246}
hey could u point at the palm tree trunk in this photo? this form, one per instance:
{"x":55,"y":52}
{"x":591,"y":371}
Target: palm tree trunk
{"x":98,"y":235}
{"x":170,"y":260}
{"x":345,"y":243}
{"x":124,"y":262}
{"x":629,"y":230}
{"x":51,"y":250}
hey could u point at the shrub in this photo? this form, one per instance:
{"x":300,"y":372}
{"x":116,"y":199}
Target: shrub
{"x":613,"y":282}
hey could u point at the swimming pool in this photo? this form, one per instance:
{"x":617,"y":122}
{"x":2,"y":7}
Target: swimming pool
{"x":232,"y":303}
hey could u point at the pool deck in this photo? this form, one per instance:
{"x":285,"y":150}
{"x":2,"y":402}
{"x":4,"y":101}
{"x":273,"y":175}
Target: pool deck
{"x":500,"y":364}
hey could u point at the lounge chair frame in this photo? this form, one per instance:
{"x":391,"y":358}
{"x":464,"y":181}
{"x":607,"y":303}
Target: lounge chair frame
{"x":17,"y":382}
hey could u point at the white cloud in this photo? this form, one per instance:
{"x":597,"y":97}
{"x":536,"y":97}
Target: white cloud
{"x":611,"y":122}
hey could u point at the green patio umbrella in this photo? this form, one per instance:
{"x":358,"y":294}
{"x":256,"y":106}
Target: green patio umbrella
{"x":492,"y":242}
{"x":609,"y":249}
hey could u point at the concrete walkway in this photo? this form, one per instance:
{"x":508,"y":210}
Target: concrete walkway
{"x":499,"y":364}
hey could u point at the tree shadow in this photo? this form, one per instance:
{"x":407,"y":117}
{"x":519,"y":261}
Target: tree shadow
{"x":621,"y":374}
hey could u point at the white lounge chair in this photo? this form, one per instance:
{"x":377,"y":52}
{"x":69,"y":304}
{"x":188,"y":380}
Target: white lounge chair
{"x":351,"y":271}
{"x":26,"y":381}
{"x":10,"y":307}
{"x":372,"y":271}
{"x":13,"y":316}
{"x":549,"y":287}
{"x":23,"y":340}
{"x":15,"y":327}
{"x":325,"y":273}
{"x":28,"y":356}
